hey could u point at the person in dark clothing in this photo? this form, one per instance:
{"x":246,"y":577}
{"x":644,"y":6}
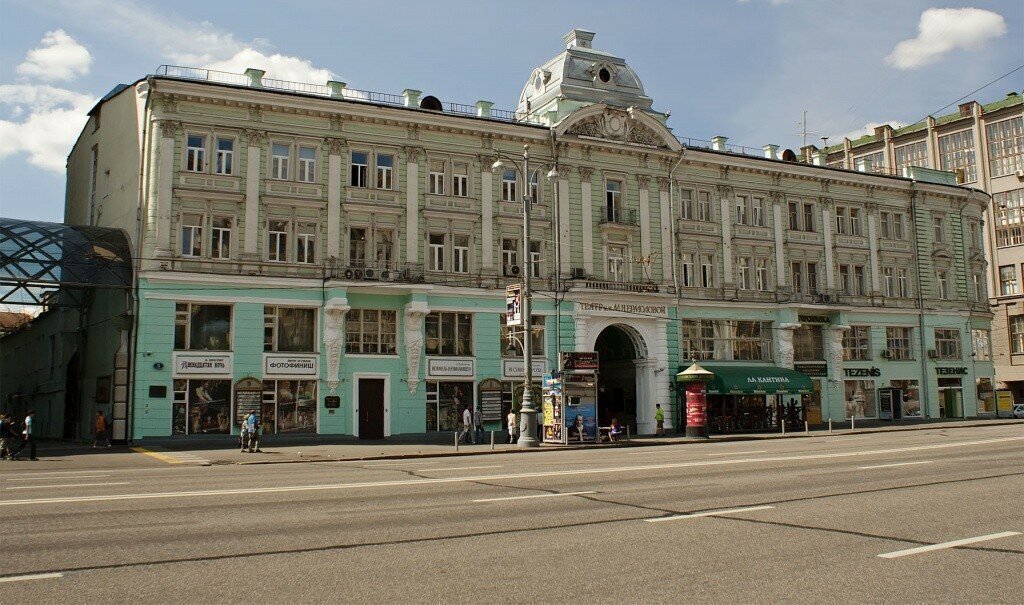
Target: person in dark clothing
{"x":28,"y":438}
{"x":6,"y":436}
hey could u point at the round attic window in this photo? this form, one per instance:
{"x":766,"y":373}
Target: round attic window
{"x":604,"y":75}
{"x":538,"y":83}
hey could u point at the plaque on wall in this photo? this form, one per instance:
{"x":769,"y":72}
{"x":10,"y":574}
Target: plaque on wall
{"x":248,"y":397}
{"x":490,"y":400}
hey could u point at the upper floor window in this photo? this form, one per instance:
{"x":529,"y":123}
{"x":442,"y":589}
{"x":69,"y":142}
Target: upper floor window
{"x":195,"y":156}
{"x":857,"y":343}
{"x":225,"y":156}
{"x":841,"y":220}
{"x":534,"y":188}
{"x":687,"y":268}
{"x":616,"y":266}
{"x":947,"y":343}
{"x":892,"y":225}
{"x":686,"y":204}
{"x":726,"y":340}
{"x":280,"y":234}
{"x":221,"y":227}
{"x":1005,"y":146}
{"x":704,"y":206}
{"x":742,"y":204}
{"x":956,"y":152}
{"x":982,"y":345}
{"x":289,"y":329}
{"x":707,"y":271}
{"x":899,"y":343}
{"x":808,"y":217}
{"x":280,"y":154}
{"x":875,"y":160}
{"x":509,"y":255}
{"x":436,"y":246}
{"x":912,"y":154}
{"x":460,"y":253}
{"x":193,"y":241}
{"x":192,"y":234}
{"x":942,"y":284}
{"x":744,"y":272}
{"x":508,"y":186}
{"x":448,"y":333}
{"x":613,"y":201}
{"x":855,"y":224}
{"x":202,"y":327}
{"x":460,"y":179}
{"x":1008,"y":280}
{"x":370,"y":247}
{"x":307,"y":164}
{"x":535,"y":258}
{"x":762,"y":281}
{"x":939,"y":229}
{"x":1016,"y":328}
{"x":385,"y":164}
{"x":358,"y":166}
{"x":809,"y":343}
{"x":513,"y":348}
{"x":451,"y":176}
{"x":371,"y":332}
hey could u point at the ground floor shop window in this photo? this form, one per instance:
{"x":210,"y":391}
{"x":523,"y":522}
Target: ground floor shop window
{"x":445,"y":402}
{"x":734,"y":413}
{"x":951,"y":398}
{"x":860,"y":399}
{"x":201,"y":406}
{"x":911,"y":396}
{"x":289,"y":406}
{"x":986,"y":396}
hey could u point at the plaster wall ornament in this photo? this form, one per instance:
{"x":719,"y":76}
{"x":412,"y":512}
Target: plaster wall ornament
{"x":335,"y":146}
{"x":724,"y":190}
{"x":255,"y":137}
{"x":414,"y":313}
{"x":871,"y":191}
{"x":663,"y":183}
{"x":487,"y":141}
{"x":776,"y":179}
{"x":642,"y":180}
{"x":255,"y":113}
{"x":168,"y":128}
{"x":336,"y":123}
{"x":786,"y":351}
{"x":334,"y":318}
{"x":825,"y":185}
{"x":826,"y":202}
{"x":412,"y":154}
{"x":644,"y":136}
{"x":412,"y":131}
{"x":585,"y":153}
{"x":835,"y":351}
{"x":723,"y":173}
{"x":586,"y":172}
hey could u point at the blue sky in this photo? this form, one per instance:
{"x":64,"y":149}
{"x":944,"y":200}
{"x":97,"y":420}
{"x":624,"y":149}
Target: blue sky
{"x":746,"y":69}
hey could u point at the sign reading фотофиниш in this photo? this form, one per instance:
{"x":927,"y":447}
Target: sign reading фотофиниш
{"x":289,"y":365}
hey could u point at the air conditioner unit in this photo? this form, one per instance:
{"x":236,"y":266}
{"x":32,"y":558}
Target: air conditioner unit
{"x":370,"y":274}
{"x":826,"y":298}
{"x":387,"y":275}
{"x":349,"y":274}
{"x":1020,"y":173}
{"x":512,"y":270}
{"x":579,"y":273}
{"x":933,"y":354}
{"x":887,"y":354}
{"x":357,"y":274}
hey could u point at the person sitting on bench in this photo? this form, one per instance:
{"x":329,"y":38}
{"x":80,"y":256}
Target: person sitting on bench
{"x":614,"y":430}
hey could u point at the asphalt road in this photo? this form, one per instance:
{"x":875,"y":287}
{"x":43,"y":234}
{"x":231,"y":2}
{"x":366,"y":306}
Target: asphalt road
{"x":656,"y":524}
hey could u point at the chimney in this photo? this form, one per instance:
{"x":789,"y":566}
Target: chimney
{"x":864,"y":165}
{"x":411,"y":97}
{"x":580,"y":38}
{"x":718,"y":143}
{"x":821,"y":158}
{"x":255,"y":77}
{"x":337,"y":89}
{"x":483,"y":109}
{"x":771,"y":151}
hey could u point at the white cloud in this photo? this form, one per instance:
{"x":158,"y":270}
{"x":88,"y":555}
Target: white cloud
{"x":942,"y":30}
{"x":277,"y":66}
{"x":59,"y":58}
{"x":53,"y":119}
{"x":868,"y":128}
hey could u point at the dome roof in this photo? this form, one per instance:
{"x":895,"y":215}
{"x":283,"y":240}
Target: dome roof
{"x":582,"y":76}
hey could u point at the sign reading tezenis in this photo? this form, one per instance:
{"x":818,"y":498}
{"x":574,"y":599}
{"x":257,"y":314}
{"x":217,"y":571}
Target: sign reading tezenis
{"x":862,"y":372}
{"x":961,"y":371}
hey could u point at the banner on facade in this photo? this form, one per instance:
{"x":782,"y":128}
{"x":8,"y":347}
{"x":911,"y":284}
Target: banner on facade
{"x":287,"y":365}
{"x":514,"y":305}
{"x":442,"y":368}
{"x":202,"y":364}
{"x":574,"y":361}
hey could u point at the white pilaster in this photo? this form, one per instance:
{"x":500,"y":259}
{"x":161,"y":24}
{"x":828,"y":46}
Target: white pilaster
{"x":252,"y":194}
{"x":725,"y":197}
{"x":645,"y":218}
{"x":165,"y":189}
{"x":588,"y":221}
{"x":780,"y":234}
{"x":826,"y":230}
{"x":334,"y":200}
{"x":876,"y":286}
{"x":666,"y":234}
{"x":412,"y":208}
{"x":487,"y":220}
{"x":564,"y":225}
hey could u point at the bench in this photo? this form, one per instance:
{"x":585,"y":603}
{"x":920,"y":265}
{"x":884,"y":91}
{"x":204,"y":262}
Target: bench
{"x":604,"y":433}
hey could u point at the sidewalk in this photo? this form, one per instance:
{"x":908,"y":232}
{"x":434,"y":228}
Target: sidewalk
{"x":278,"y":449}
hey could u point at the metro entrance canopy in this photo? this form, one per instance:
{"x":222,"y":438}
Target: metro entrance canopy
{"x":40,"y":259}
{"x":755,"y":380}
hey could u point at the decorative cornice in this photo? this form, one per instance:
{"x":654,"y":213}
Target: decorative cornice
{"x":335,"y":146}
{"x":586,"y":173}
{"x":412,"y":154}
{"x":255,"y":137}
{"x":168,"y":128}
{"x":643,"y":180}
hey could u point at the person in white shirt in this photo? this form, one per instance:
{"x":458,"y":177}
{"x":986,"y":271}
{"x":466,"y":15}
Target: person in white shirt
{"x":467,"y":426}
{"x":510,"y":422}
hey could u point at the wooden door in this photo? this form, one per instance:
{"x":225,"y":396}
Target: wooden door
{"x":371,"y":408}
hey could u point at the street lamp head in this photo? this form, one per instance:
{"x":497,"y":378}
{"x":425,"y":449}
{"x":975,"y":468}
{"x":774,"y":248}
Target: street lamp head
{"x":498,"y":166}
{"x":553,"y":174}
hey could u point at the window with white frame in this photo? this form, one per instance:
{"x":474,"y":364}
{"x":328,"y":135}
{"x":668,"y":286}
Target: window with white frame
{"x":192,"y":234}
{"x":686,"y":204}
{"x":513,"y":349}
{"x":742,"y":204}
{"x":535,"y":188}
{"x":359,"y":164}
{"x":370,"y":246}
{"x":449,"y":334}
{"x":982,"y":343}
{"x":277,"y":240}
{"x":947,"y":343}
{"x":1016,"y":327}
{"x":855,"y":224}
{"x":808,"y":218}
{"x":704,"y":206}
{"x":384,"y":247}
{"x":1005,"y":146}
{"x":939,"y":228}
{"x":307,"y":164}
{"x":460,"y":253}
{"x":758,"y":212}
{"x":220,"y":230}
{"x":280,"y":153}
{"x":687,"y":270}
{"x":225,"y":156}
{"x":942,"y":284}
{"x":508,"y":186}
{"x":794,"y":216}
{"x":857,"y":343}
{"x":707,"y":270}
{"x":289,"y":329}
{"x":797,"y":277}
{"x":460,"y":179}
{"x":841,"y":220}
{"x":509,"y":255}
{"x":371,"y":332}
{"x":979,"y":287}
{"x":616,"y":266}
{"x":902,"y":283}
{"x":535,"y":258}
{"x":436,"y":245}
{"x":956,"y":152}
{"x":357,"y":240}
{"x":912,"y":154}
{"x":1008,"y":280}
{"x":899,"y":343}
{"x":860,"y":287}
{"x":1009,"y":217}
{"x":899,"y":223}
{"x":202,"y":327}
{"x":877,"y":161}
{"x":885,"y":224}
{"x":305,"y":242}
{"x":385,"y":166}
{"x":195,"y":154}
{"x":613,"y":201}
{"x":435,"y":176}
{"x":889,"y":281}
{"x":761,"y":278}
{"x":744,"y":272}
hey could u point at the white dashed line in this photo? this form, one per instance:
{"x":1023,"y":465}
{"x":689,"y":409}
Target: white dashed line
{"x":895,"y":464}
{"x":455,"y":468}
{"x":944,"y":545}
{"x":533,"y":496}
{"x":55,"y":478}
{"x":68,"y":485}
{"x":739,"y":453}
{"x":711,"y":513}
{"x":37,"y":576}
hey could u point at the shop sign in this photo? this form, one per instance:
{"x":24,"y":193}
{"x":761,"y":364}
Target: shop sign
{"x":286,"y":365}
{"x":951,"y":371}
{"x":814,"y":370}
{"x":657,"y":310}
{"x":514,"y":305}
{"x":332,"y":402}
{"x":862,"y":372}
{"x":813,"y":319}
{"x":190,"y":363}
{"x":451,"y":367}
{"x":513,"y":368}
{"x":580,"y":360}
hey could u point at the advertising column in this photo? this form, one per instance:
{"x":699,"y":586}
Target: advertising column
{"x":695,"y":379}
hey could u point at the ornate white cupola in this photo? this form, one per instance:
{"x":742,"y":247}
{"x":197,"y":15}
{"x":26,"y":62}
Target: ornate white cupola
{"x":581,"y":76}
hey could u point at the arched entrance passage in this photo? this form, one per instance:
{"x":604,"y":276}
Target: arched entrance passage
{"x":619,"y":347}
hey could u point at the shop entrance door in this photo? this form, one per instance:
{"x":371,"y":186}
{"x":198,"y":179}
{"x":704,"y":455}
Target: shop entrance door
{"x":371,"y":408}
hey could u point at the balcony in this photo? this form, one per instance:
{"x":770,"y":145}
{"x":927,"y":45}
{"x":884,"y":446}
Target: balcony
{"x":621,"y":286}
{"x":620,"y":217}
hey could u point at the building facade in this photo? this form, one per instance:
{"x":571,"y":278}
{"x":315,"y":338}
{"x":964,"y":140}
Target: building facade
{"x":338,"y":258}
{"x":984,"y":145}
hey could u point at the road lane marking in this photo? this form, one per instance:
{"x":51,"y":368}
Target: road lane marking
{"x":67,"y":485}
{"x":533,"y":496}
{"x":944,"y":545}
{"x":455,"y":468}
{"x":473,"y":478}
{"x":172,"y":457}
{"x":739,"y":453}
{"x":92,"y":472}
{"x":36,"y":576}
{"x":54,"y":478}
{"x":895,"y":464}
{"x":710,"y":513}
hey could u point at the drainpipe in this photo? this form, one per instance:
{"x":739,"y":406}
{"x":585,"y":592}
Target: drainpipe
{"x":557,"y":221}
{"x":923,"y":390}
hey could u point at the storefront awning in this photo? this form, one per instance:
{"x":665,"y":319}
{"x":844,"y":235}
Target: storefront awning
{"x":756,"y":380}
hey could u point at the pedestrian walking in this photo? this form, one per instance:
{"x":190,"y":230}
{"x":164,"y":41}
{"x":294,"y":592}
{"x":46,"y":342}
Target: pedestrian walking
{"x":101,"y":429}
{"x":28,"y":438}
{"x":659,"y":419}
{"x":243,"y":433}
{"x":253,"y":428}
{"x":6,"y":435}
{"x":478,"y":424}
{"x":510,"y":422}
{"x":467,"y":426}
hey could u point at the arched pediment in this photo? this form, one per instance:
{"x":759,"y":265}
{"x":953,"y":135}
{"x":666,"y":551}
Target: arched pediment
{"x":618,"y":125}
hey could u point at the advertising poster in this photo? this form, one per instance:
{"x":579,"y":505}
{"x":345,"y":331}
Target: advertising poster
{"x":696,"y":405}
{"x":581,"y":423}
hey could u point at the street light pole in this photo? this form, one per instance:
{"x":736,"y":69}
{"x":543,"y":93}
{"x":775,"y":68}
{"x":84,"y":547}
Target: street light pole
{"x":528,"y":413}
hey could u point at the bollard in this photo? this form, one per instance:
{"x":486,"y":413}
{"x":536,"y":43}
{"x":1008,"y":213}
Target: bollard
{"x":830,"y":425}
{"x":627,"y":432}
{"x":807,"y":428}
{"x":492,"y":440}
{"x":852,"y":426}
{"x":783,"y":427}
{"x":456,"y":441}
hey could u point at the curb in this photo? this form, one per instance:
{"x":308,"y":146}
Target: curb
{"x":627,"y":444}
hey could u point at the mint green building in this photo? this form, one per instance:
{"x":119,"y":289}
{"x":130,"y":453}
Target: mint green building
{"x":338,"y":258}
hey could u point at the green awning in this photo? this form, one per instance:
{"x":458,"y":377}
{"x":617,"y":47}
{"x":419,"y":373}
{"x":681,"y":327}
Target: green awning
{"x":744,"y":379}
